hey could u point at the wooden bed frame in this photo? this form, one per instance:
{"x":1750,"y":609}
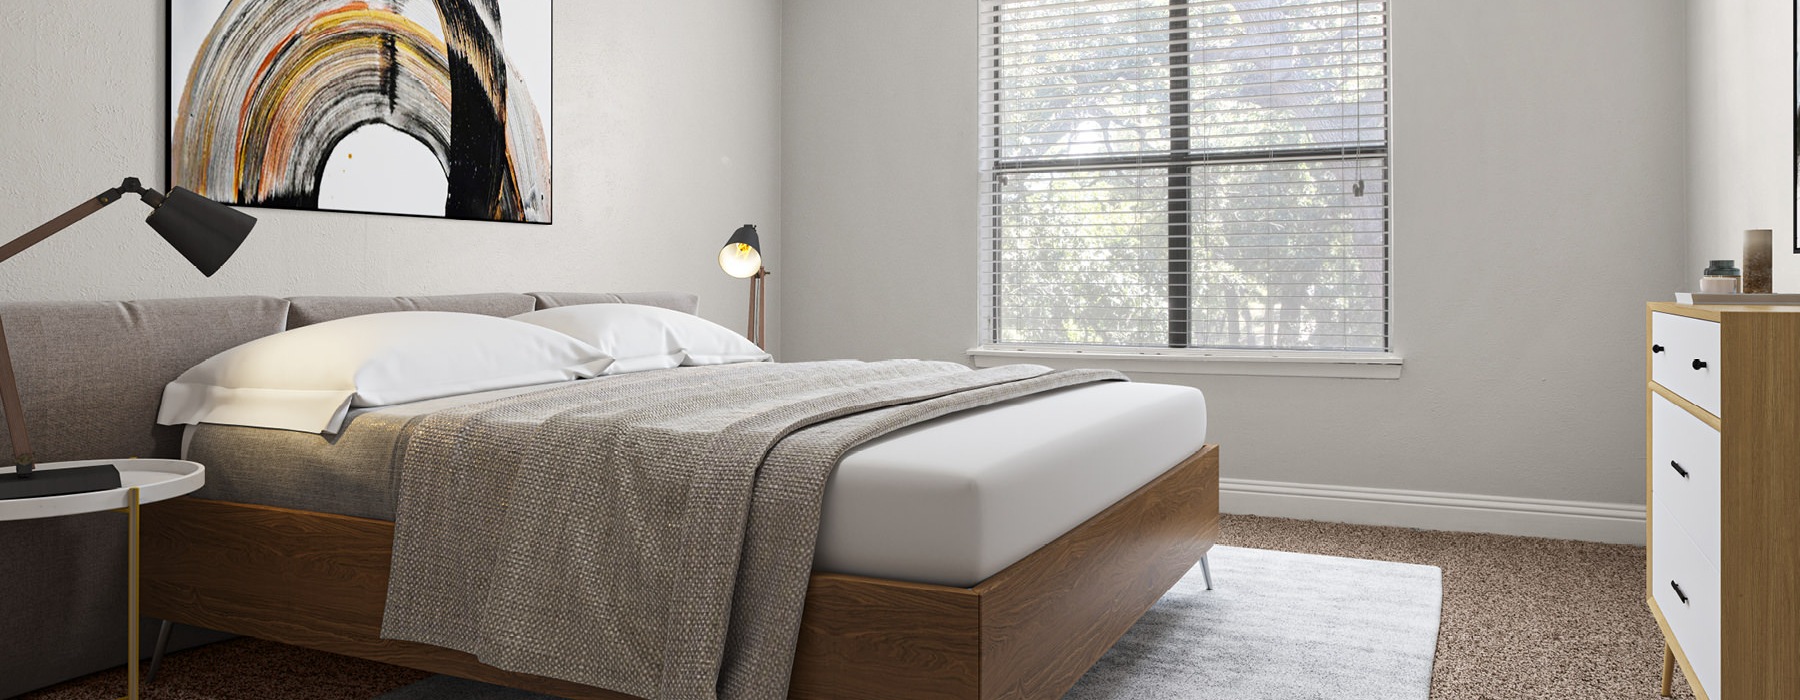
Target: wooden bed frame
{"x":1027,"y":633}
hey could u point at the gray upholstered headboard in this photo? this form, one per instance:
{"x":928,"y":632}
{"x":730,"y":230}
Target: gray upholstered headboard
{"x":91,"y":373}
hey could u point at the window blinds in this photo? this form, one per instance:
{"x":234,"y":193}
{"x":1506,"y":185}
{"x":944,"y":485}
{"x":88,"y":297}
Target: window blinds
{"x":1185,"y":173}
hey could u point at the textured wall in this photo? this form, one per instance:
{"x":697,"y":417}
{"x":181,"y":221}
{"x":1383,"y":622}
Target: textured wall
{"x":1740,"y":172}
{"x":1538,"y":192}
{"x":667,"y":139}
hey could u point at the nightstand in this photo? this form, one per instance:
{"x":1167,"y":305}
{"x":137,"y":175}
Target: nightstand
{"x":144,"y":481}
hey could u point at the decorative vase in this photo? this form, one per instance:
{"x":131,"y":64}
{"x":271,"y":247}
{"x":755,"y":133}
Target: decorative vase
{"x":1759,"y":261}
{"x":1721,"y":277}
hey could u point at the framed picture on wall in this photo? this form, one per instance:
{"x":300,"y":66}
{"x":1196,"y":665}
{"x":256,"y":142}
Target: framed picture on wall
{"x":435,"y":108}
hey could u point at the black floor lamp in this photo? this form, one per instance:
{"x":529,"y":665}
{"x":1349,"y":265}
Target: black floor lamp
{"x":742,"y":258}
{"x":203,"y":231}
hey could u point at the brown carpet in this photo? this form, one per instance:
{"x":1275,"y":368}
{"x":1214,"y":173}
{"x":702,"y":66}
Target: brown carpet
{"x":1523,"y":618}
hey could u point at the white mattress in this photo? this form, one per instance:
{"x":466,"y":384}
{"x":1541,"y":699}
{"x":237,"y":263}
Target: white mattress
{"x":950,"y":501}
{"x":955,"y":500}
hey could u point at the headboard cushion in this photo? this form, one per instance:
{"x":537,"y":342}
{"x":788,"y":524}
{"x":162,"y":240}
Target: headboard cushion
{"x":91,"y":374}
{"x":310,"y":310}
{"x":679,"y":301}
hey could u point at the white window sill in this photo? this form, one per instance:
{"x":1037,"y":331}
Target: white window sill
{"x":1346,"y":365}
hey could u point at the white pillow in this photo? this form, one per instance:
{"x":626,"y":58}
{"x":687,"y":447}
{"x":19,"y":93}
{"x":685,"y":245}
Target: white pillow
{"x":642,"y":338}
{"x":307,"y":379}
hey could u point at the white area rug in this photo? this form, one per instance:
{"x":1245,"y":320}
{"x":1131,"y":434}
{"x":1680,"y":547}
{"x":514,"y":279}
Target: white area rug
{"x":1280,"y":626}
{"x":1277,"y":626}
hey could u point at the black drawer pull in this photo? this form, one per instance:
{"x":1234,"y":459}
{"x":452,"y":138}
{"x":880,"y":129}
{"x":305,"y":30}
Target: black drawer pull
{"x":1678,"y":469}
{"x":1656,"y":348}
{"x":1698,"y":364}
{"x":1678,"y":592}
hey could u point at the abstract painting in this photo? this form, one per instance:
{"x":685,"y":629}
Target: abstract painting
{"x":420,"y":107}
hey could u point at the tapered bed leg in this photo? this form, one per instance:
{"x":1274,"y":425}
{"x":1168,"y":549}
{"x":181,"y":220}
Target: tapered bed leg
{"x":1668,"y":668}
{"x":156,"y":653}
{"x":1206,"y":571}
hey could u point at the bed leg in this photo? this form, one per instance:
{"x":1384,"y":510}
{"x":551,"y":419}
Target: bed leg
{"x":1206,"y":571}
{"x":162,"y":645}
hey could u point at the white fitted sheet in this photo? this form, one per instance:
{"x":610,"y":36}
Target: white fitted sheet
{"x":955,"y":500}
{"x":950,"y":501}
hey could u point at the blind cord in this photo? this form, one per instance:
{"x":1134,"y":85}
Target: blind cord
{"x":1361,"y":186}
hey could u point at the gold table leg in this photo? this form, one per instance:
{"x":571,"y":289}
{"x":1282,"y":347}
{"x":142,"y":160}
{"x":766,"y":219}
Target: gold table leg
{"x":1668,"y":668}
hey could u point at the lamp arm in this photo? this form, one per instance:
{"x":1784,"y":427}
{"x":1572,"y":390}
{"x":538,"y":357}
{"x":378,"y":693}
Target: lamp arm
{"x":81,"y":211}
{"x":762,"y":307}
{"x":9,"y":388}
{"x":759,"y":308}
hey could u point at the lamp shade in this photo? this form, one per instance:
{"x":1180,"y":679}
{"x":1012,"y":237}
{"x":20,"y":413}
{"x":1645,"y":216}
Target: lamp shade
{"x":205,"y":232}
{"x":742,"y":255}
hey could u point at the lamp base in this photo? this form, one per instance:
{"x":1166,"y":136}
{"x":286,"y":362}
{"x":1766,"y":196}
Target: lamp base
{"x":59,"y":482}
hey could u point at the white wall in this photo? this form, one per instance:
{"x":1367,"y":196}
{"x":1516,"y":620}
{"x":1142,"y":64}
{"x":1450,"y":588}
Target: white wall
{"x":667,"y":139}
{"x":1538,"y":202}
{"x":1741,"y":151}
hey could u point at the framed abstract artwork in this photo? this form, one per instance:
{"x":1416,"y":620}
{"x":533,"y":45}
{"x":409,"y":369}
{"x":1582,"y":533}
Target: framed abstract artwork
{"x":417,"y":107}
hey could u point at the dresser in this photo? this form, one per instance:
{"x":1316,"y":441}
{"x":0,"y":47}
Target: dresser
{"x":1723,"y":439}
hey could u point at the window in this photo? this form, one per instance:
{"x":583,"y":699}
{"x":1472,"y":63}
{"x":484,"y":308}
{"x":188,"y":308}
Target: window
{"x":1185,"y":174}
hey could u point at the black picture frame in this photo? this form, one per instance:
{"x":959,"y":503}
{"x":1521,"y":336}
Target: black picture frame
{"x":168,"y":128}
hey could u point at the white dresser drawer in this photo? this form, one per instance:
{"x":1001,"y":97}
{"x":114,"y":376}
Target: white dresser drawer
{"x":1684,"y":357}
{"x":1685,"y":473}
{"x":1676,"y":563}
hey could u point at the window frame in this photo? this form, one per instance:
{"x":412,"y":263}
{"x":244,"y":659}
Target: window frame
{"x":1179,"y":356}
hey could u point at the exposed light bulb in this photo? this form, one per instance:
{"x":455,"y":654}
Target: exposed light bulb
{"x":740,"y":260}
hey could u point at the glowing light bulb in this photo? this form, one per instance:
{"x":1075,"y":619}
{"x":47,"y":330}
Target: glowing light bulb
{"x":740,"y":260}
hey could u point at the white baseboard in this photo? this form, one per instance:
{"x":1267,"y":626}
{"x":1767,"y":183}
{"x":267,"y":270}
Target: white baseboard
{"x":1572,"y":520}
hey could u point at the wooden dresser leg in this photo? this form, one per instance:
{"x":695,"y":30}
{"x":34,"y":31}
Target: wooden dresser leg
{"x":1668,"y":668}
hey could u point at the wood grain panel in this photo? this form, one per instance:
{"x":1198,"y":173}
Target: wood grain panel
{"x":1760,"y":538}
{"x":1048,"y":618}
{"x":229,"y":560}
{"x":1717,"y":312}
{"x":873,"y":639}
{"x":320,"y":580}
{"x":309,"y":579}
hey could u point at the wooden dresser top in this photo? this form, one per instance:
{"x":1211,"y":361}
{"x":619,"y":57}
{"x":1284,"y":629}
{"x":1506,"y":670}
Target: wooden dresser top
{"x":1714,"y":312}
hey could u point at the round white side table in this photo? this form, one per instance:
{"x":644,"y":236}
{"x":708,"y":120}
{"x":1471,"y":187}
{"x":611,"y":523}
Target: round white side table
{"x":142,"y":481}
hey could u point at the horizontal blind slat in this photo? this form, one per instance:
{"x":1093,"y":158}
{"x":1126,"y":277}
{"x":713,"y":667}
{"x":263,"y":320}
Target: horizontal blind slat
{"x":1006,"y":16}
{"x":1229,"y":48}
{"x":1143,"y":154}
{"x":1002,"y":17}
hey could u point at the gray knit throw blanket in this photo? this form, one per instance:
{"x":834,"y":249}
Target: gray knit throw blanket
{"x":649,"y":533}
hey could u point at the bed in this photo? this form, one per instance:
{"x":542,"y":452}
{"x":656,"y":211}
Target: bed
{"x":1021,"y":562}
